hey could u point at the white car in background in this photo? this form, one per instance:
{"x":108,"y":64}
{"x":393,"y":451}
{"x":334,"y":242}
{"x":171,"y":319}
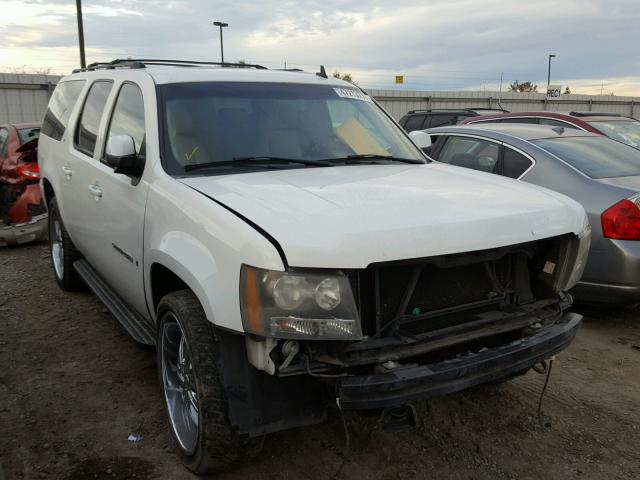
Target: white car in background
{"x":287,"y":247}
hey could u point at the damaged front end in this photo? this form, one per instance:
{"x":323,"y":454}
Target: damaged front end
{"x":429,"y":326}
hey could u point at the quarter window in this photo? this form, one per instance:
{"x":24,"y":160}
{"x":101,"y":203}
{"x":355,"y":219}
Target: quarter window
{"x":62,"y":101}
{"x":87,"y":131}
{"x":472,"y":153}
{"x":515,"y":164}
{"x":128,"y":115}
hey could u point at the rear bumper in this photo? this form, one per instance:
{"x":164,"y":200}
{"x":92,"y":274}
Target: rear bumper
{"x":19,"y":233}
{"x":417,"y":382}
{"x":612,"y":274}
{"x":601,"y":293}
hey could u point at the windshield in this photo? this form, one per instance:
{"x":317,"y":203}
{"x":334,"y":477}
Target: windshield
{"x":625,"y":131}
{"x":597,"y":157}
{"x":206,"y":123}
{"x":28,"y":134}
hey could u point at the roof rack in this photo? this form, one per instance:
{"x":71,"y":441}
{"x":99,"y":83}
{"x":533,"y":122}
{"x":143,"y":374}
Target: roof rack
{"x":595,"y":114}
{"x":144,"y":62}
{"x":471,"y":110}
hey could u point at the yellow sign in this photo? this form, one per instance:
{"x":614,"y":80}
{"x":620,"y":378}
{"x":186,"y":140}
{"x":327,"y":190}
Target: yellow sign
{"x":399,"y":78}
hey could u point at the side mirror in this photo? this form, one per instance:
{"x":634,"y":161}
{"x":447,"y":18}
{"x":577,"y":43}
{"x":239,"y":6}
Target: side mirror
{"x":121,"y":156}
{"x":421,"y":139}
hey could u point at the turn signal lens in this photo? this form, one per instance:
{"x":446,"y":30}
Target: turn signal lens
{"x":622,"y":221}
{"x":29,"y":171}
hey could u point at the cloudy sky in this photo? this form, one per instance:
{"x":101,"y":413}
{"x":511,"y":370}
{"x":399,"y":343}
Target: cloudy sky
{"x":436,"y":44}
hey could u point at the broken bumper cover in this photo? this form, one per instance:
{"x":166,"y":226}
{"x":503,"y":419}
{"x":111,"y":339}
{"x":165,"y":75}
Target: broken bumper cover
{"x":19,"y":233}
{"x":419,"y":382}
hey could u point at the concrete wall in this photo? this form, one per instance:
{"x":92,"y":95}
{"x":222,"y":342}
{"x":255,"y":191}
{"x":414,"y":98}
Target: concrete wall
{"x":24,"y":97}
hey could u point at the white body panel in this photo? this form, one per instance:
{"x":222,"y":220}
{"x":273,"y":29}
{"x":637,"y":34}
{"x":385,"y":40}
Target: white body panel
{"x":337,"y":217}
{"x":352,"y":216}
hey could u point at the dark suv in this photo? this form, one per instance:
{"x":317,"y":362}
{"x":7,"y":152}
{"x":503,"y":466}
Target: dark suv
{"x":431,"y":118}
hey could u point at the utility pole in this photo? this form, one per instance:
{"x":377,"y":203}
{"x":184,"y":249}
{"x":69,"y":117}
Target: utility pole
{"x":83,"y":62}
{"x":549,"y":71}
{"x":221,"y":25}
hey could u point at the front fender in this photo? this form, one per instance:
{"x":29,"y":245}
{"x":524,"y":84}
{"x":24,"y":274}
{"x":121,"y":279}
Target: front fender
{"x":188,"y":259}
{"x":205,"y":245}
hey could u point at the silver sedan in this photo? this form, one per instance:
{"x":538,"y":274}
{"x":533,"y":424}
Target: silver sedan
{"x":600,"y":173}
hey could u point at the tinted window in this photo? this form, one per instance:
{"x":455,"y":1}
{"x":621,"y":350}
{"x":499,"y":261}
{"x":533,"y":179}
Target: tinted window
{"x":4,"y":140}
{"x":87,"y":131}
{"x":414,"y":123}
{"x":441,"y":120}
{"x":557,"y":123}
{"x":28,"y":134}
{"x":472,"y":153}
{"x":60,"y":106}
{"x":527,"y":120}
{"x":598,"y":157}
{"x":128,"y":115}
{"x":220,"y":121}
{"x":515,"y":164}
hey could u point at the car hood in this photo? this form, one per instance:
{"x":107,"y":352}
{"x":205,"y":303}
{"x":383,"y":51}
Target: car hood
{"x":352,"y":216}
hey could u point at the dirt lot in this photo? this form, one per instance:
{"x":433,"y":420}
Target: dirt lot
{"x":73,"y":387}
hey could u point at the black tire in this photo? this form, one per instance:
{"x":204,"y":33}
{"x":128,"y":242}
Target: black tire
{"x":67,"y":278}
{"x":218,"y":446}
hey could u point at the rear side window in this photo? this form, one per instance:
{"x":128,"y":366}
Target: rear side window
{"x":597,"y":157}
{"x":128,"y":115}
{"x":515,"y":164}
{"x":414,"y":123}
{"x":527,"y":120}
{"x":473,"y":153}
{"x":87,"y":131}
{"x":441,"y":120}
{"x":62,"y":101}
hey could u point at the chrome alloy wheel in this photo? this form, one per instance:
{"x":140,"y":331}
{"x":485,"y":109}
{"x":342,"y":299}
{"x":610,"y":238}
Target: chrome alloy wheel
{"x":57,"y":250}
{"x":179,"y":384}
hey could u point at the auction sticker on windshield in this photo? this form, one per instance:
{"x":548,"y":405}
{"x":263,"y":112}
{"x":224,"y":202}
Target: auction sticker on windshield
{"x":353,"y":94}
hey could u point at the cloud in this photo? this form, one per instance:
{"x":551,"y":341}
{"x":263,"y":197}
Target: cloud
{"x":440,"y":44}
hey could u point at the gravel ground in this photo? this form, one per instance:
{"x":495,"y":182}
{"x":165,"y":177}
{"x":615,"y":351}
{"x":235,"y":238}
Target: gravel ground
{"x":73,"y":387}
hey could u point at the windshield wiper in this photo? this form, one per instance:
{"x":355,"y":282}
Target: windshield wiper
{"x":370,"y":157}
{"x":278,"y":162}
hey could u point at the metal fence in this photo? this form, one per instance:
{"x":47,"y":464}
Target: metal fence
{"x":399,"y":102}
{"x":24,"y":97}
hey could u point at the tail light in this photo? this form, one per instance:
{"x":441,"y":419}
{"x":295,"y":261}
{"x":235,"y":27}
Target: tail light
{"x":29,"y":171}
{"x":622,"y":221}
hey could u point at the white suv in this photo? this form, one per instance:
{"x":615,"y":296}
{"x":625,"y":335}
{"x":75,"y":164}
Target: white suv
{"x":287,"y":247}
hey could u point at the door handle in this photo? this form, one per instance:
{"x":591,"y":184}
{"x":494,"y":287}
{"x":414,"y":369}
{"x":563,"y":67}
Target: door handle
{"x":67,"y":170}
{"x":95,"y":190}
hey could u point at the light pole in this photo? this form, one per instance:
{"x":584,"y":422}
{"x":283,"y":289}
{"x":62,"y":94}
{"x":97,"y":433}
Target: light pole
{"x":83,"y":62}
{"x":549,"y":71}
{"x":221,"y":25}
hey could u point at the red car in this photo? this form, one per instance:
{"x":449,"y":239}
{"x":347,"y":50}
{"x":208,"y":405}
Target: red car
{"x":23,"y":216}
{"x":618,"y":127}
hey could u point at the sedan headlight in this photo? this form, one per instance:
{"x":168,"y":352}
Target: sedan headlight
{"x":576,"y":260}
{"x":300,"y":305}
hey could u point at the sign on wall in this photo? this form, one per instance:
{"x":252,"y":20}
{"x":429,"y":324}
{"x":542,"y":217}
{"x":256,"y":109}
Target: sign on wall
{"x":554,"y":92}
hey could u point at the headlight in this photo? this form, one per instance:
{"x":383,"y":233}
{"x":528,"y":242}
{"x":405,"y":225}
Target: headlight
{"x":301,"y":305}
{"x":576,"y":260}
